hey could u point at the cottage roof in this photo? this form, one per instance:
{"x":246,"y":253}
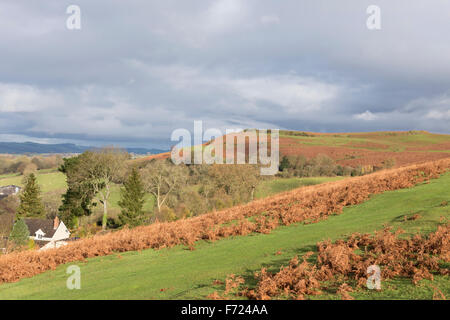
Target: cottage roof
{"x":45,"y":225}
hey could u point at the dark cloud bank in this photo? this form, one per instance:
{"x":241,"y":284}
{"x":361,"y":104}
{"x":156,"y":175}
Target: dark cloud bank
{"x":137,"y":70}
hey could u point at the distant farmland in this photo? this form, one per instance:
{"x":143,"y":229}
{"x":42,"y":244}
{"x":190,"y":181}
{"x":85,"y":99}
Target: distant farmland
{"x":353,"y":149}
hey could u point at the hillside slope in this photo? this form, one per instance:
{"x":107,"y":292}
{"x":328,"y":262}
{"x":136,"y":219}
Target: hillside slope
{"x":371,"y":148}
{"x":361,"y":149}
{"x":307,"y":205}
{"x":178,"y":273}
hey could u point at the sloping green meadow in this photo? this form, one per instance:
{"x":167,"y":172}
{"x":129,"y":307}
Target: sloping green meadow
{"x":179,"y":273}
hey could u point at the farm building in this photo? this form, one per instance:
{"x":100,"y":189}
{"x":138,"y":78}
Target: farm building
{"x":8,"y":191}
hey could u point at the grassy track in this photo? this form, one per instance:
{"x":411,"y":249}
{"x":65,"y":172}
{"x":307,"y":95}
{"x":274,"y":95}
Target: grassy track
{"x":178,"y":273}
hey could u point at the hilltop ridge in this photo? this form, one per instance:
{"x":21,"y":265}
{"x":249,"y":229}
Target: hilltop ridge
{"x":361,"y":148}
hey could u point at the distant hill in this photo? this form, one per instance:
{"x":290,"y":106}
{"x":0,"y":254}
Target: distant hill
{"x":361,"y":148}
{"x":36,"y":148}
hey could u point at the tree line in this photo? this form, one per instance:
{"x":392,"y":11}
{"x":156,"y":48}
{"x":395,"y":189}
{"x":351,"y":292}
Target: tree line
{"x":323,"y":165}
{"x":27,"y":164}
{"x":178,"y":191}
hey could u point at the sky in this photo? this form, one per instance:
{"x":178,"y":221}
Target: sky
{"x":138,"y":70}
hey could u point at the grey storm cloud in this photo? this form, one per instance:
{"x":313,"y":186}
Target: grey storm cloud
{"x":137,"y":70}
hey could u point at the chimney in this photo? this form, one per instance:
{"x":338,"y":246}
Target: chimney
{"x":56,"y":223}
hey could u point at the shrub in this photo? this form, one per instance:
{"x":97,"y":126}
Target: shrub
{"x":347,"y":261}
{"x":284,"y":164}
{"x":20,"y":233}
{"x":389,"y":163}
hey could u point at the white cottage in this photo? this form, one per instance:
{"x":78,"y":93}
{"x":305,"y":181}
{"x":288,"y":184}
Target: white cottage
{"x":48,"y":233}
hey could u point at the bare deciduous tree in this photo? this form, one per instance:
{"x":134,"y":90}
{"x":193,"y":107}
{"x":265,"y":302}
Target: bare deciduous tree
{"x":163,"y":179}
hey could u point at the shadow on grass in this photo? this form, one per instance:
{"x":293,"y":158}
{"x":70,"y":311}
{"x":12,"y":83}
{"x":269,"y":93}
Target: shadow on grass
{"x":185,"y":293}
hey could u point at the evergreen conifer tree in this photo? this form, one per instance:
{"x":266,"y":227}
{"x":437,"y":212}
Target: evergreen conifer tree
{"x":20,"y":233}
{"x":132,"y":200}
{"x":285,"y":163}
{"x":30,"y":199}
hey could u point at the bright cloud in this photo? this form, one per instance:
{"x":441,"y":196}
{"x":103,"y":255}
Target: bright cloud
{"x":366,"y":116}
{"x":138,"y":70}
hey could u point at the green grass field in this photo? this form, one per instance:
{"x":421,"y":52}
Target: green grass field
{"x":54,"y":183}
{"x":48,"y":181}
{"x":179,"y":273}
